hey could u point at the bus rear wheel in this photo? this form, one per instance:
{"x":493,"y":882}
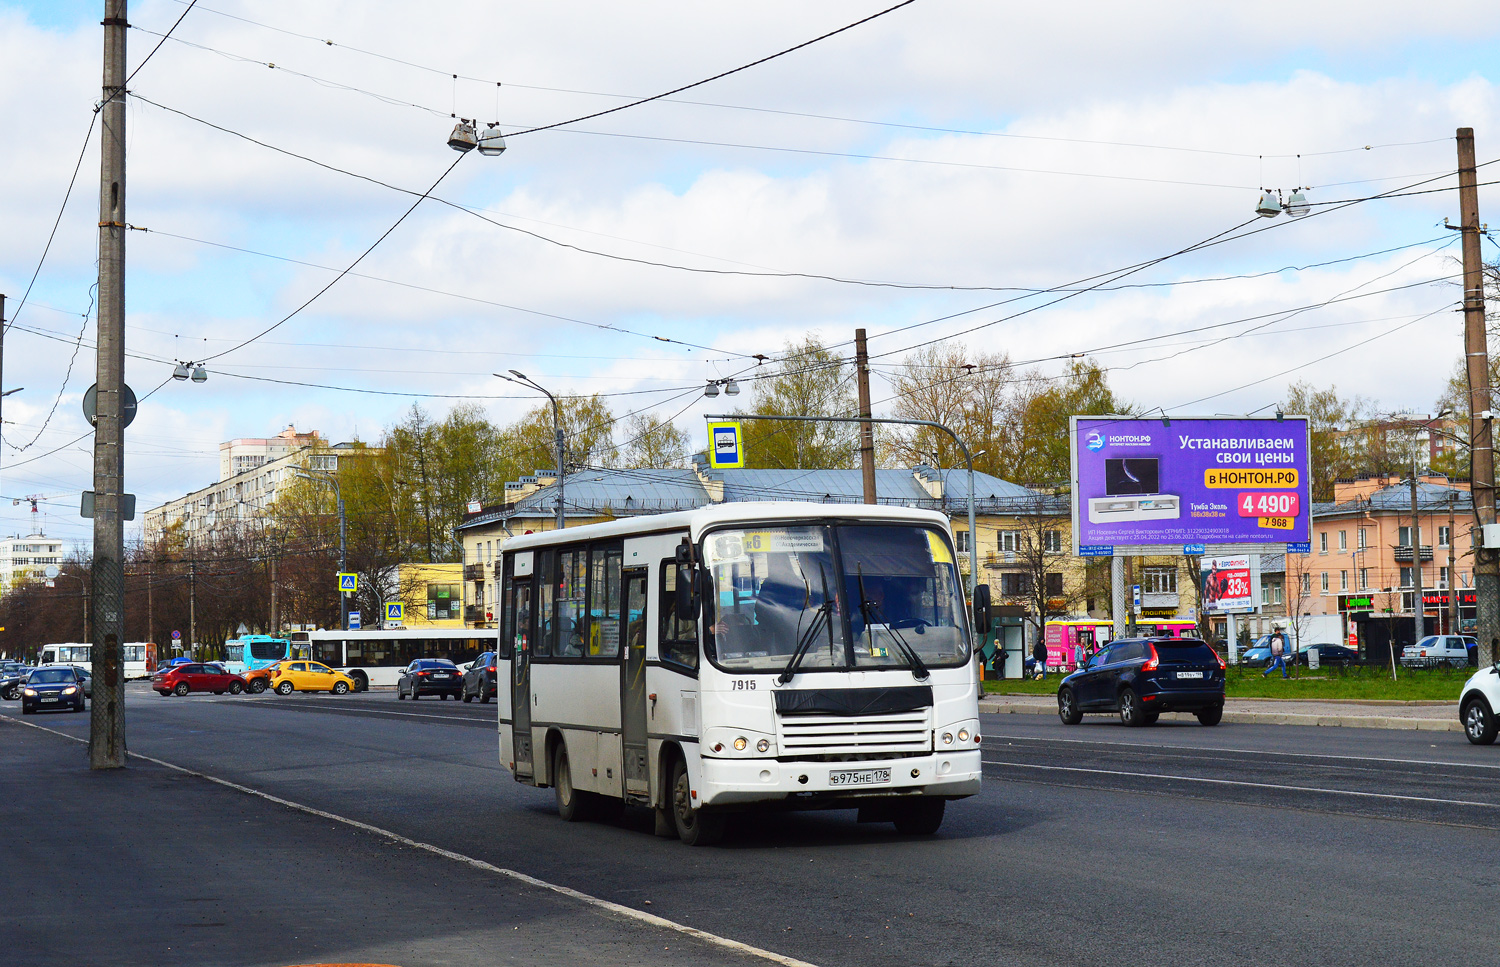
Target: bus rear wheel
{"x":695,"y":827}
{"x":920,"y":817}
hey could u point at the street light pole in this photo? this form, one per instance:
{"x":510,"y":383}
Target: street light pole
{"x":332,"y":479}
{"x":557,"y":435}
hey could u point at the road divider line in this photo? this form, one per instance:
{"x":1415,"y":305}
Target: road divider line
{"x":1252,"y":752}
{"x":352,"y":708}
{"x":1240,"y":782}
{"x":609,"y":906}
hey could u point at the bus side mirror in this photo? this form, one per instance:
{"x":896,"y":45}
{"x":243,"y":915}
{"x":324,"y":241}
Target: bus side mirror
{"x":982,"y":609}
{"x":686,"y":604}
{"x":684,"y":552}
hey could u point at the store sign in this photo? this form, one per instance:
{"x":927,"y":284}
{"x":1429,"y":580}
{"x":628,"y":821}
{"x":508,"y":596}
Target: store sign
{"x":1467,"y":598}
{"x":1356,"y":602}
{"x":1190,"y":481}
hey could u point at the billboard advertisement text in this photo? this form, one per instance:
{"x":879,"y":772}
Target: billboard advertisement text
{"x":1228,"y":585}
{"x":1189,"y":481}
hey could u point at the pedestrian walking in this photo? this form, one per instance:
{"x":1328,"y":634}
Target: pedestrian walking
{"x":1039,"y":655}
{"x":1278,"y":653}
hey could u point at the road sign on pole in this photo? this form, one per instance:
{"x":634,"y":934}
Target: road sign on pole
{"x":348,"y":582}
{"x":354,"y":621}
{"x":394,"y":611}
{"x":726,"y":446}
{"x":176,"y":636}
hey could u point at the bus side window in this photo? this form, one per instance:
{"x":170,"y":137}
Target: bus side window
{"x":507,"y":637}
{"x":677,"y":640}
{"x":603,"y":639}
{"x":546,"y":616}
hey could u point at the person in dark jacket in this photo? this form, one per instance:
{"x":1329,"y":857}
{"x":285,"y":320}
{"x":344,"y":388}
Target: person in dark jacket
{"x":1039,"y":655}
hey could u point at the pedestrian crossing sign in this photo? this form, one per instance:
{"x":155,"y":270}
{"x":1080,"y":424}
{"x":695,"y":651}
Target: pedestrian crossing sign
{"x":726,"y":446}
{"x":348,"y":582}
{"x":394,"y":611}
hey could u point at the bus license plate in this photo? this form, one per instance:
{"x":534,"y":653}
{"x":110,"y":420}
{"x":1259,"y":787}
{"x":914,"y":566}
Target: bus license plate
{"x":1189,"y":674}
{"x":859,"y":777}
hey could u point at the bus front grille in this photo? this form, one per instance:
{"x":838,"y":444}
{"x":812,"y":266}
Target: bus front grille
{"x":827,"y":736}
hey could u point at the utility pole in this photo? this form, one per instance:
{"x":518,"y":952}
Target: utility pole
{"x":867,"y":429}
{"x":150,"y":616}
{"x":107,"y":724}
{"x":1418,"y":606}
{"x":275,"y":613}
{"x":1481,"y":440}
{"x":192,"y":608}
{"x":1452,"y":571}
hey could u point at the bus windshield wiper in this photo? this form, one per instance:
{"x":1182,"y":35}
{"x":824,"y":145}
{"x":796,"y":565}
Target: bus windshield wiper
{"x":869,"y":609}
{"x":804,"y":642}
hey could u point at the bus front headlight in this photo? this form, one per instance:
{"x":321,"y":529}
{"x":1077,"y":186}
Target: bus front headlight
{"x":947,"y":738}
{"x":764,"y":745}
{"x":740,"y":743}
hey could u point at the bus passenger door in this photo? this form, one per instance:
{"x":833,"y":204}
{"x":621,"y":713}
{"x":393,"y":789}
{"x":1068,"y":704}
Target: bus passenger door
{"x":633,"y":688}
{"x":520,"y":677}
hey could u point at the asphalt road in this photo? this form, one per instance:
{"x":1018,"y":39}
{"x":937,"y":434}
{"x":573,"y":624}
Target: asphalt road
{"x":1237,"y":845}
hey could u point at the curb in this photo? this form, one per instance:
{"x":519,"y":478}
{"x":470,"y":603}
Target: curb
{"x":1270,"y":718}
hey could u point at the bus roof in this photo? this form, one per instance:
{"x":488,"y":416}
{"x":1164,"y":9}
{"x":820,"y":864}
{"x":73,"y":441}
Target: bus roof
{"x":696,"y":521}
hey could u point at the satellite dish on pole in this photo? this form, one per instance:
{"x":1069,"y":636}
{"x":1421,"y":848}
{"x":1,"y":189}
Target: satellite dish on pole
{"x":52,"y":571}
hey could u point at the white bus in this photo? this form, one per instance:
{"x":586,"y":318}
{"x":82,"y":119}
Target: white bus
{"x":741,"y":656}
{"x":377,"y":658}
{"x":139,"y":657}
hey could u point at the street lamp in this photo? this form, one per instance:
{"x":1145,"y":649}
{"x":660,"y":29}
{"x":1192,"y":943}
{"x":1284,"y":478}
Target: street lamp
{"x":1271,"y":204}
{"x":557,"y":433}
{"x":328,"y":477}
{"x":190,"y":370}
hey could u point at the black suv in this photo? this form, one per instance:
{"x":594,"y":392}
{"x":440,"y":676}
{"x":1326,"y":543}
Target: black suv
{"x":479,"y":680}
{"x":1140,"y":678}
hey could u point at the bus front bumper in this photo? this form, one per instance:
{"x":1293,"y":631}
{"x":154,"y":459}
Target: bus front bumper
{"x":728,"y":782}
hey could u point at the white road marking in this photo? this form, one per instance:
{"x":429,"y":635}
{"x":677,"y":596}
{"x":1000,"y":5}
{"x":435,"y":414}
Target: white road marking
{"x":610,"y":906}
{"x":347,"y":708}
{"x":1261,"y":752}
{"x":1239,"y":782}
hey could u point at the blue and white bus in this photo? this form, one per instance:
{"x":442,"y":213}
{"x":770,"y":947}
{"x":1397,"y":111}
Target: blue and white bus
{"x":250,"y":652}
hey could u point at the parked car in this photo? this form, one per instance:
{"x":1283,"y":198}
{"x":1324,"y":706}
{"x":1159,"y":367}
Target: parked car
{"x":1140,"y":678}
{"x":1255,"y":656}
{"x":309,"y":676}
{"x":1436,"y":650}
{"x":430,"y":676}
{"x":12,"y":681}
{"x":1329,"y":654}
{"x":192,"y":677}
{"x":479,"y":680}
{"x":52,"y":688}
{"x":1477,"y":704}
{"x":259,"y":680}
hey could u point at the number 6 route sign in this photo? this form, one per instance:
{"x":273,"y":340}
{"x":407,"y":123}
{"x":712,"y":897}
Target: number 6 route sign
{"x":394,"y":611}
{"x":348,"y":582}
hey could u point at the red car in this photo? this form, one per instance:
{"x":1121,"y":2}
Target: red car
{"x":181,"y":679}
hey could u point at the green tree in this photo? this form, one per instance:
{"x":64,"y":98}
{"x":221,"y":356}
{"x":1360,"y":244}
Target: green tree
{"x":1338,"y":444}
{"x":588,"y":434}
{"x":1035,"y":449}
{"x":653,"y":442}
{"x":810,"y":380}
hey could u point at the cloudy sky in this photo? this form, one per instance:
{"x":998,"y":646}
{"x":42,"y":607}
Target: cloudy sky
{"x":964,"y":151}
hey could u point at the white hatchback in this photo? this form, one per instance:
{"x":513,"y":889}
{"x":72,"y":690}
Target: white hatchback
{"x":1476,"y":706}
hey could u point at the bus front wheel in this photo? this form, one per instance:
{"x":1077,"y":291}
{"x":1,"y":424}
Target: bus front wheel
{"x":695,"y":827}
{"x":570,"y":802}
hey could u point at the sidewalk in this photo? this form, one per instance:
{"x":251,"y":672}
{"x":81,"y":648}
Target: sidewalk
{"x":1424,"y":716}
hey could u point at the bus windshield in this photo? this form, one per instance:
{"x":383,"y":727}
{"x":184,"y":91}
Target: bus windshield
{"x":890,"y":590}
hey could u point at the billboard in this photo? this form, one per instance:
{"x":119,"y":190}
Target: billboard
{"x":1189,"y":481}
{"x":1229,"y":584}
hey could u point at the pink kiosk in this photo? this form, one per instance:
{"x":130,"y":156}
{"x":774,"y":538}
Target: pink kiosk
{"x":1069,"y":643}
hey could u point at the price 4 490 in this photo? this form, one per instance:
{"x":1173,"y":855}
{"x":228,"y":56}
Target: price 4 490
{"x":1268,"y":505}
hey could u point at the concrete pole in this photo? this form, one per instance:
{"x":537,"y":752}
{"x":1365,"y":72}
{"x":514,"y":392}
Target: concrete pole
{"x":107,"y":724}
{"x":867,"y":431}
{"x":1418,"y":608}
{"x":1477,"y":368}
{"x":1117,"y":596}
{"x":1452,"y":570}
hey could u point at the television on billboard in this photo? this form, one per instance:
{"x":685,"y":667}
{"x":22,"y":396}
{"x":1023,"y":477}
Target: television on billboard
{"x":1189,"y":481}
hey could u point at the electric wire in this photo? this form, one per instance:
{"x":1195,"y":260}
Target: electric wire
{"x":87,"y":137}
{"x":326,"y":42}
{"x":164,"y":38}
